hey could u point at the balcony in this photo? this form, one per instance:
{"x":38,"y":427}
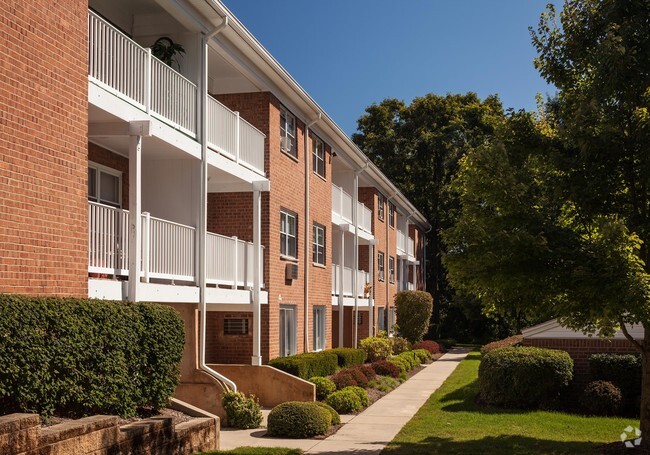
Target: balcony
{"x":405,"y":245}
{"x":168,"y":250}
{"x":342,"y":207}
{"x":348,"y":274}
{"x":121,"y":66}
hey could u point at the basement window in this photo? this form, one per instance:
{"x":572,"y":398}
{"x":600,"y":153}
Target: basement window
{"x":235,"y":326}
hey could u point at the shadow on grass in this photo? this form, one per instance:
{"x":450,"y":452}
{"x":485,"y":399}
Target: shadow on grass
{"x":464,"y":399}
{"x":507,"y":444}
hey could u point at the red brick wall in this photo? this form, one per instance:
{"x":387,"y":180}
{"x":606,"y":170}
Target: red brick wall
{"x":220,"y":348}
{"x":120,"y":163}
{"x":44,"y":150}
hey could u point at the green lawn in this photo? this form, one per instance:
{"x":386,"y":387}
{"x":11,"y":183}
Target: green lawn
{"x":452,"y":423}
{"x":254,"y":451}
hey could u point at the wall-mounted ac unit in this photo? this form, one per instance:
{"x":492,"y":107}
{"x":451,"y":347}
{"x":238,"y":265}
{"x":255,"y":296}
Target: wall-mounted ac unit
{"x":285,"y":144}
{"x":291,"y":271}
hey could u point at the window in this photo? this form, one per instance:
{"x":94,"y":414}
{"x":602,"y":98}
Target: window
{"x":318,"y":244}
{"x":288,"y":230}
{"x":359,"y":318}
{"x":380,"y":266}
{"x":391,"y":214}
{"x":287,"y":330}
{"x":391,"y":318}
{"x":391,"y":269}
{"x":235,"y":326}
{"x":319,"y":328}
{"x":381,"y":318}
{"x":104,"y":185}
{"x":288,"y":133}
{"x":318,"y":152}
{"x":380,"y":206}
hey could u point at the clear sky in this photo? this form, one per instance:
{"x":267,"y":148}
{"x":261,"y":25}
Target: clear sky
{"x":350,"y":54}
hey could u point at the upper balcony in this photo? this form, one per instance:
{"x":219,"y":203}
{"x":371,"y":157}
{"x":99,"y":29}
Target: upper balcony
{"x":342,"y":210}
{"x":405,"y":246}
{"x":129,"y":71}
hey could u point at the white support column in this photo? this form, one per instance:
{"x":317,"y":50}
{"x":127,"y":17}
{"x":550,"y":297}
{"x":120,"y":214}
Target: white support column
{"x":256,"y":359}
{"x":146,"y":245}
{"x":342,"y":287}
{"x":355,"y":274}
{"x":135,"y":218}
{"x":371,"y":280}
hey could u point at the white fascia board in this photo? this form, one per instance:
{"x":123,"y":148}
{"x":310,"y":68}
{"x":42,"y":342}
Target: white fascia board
{"x":539,"y":328}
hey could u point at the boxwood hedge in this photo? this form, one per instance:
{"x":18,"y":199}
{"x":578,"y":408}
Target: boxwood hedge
{"x":79,"y":356}
{"x":297,"y":419}
{"x":308,"y":365}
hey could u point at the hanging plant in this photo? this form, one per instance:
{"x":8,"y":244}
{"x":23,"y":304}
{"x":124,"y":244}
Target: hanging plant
{"x":166,"y":50}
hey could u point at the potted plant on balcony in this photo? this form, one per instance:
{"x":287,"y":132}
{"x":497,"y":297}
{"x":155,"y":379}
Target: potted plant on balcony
{"x":366,"y":290}
{"x":166,"y":50}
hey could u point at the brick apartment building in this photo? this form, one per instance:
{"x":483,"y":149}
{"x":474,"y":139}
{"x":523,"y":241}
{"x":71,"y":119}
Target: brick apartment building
{"x":216,"y":185}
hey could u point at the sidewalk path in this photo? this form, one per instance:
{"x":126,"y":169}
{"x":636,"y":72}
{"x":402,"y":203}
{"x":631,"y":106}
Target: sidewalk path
{"x":370,"y":431}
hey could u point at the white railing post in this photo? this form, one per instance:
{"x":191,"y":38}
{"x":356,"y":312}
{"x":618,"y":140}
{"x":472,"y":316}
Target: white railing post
{"x":146,"y":245}
{"x":147,"y":82}
{"x":236,"y":261}
{"x":238,"y":135}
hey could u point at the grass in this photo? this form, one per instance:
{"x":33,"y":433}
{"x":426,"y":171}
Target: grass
{"x":255,"y":451}
{"x":451,"y":422}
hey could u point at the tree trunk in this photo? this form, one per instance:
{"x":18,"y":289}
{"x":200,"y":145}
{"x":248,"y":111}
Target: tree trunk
{"x":645,"y":391}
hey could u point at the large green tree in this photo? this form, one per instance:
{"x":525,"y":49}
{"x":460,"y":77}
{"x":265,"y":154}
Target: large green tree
{"x":556,"y":210}
{"x":418,"y":146}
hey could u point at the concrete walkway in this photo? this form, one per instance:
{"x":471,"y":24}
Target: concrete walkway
{"x":370,"y":431}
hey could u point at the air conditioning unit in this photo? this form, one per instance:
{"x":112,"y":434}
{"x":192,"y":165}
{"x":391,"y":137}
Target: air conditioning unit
{"x":285,"y":144}
{"x":291,"y":271}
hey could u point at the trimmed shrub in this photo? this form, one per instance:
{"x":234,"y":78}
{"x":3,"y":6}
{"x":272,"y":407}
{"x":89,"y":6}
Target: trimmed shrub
{"x":359,"y":377}
{"x":345,"y":401}
{"x":431,"y":346}
{"x":298,"y":419}
{"x":413,"y":314}
{"x":624,"y":370}
{"x":412,"y":358}
{"x":505,"y":343}
{"x":242,"y":412}
{"x":404,"y":365}
{"x":308,"y":365}
{"x":524,"y":377}
{"x":399,"y":345}
{"x":343,"y":379}
{"x":601,"y":398}
{"x":385,"y":368}
{"x":78,"y":356}
{"x":447,"y":343}
{"x":324,"y":386}
{"x":361,"y":393}
{"x":348,"y":357}
{"x":423,"y":355}
{"x":367,"y":371}
{"x":336,"y":418}
{"x":376,"y":348}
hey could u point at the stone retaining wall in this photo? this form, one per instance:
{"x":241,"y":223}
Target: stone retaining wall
{"x":21,"y":434}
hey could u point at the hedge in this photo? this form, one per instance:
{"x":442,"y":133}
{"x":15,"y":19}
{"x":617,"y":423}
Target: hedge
{"x":308,"y":365}
{"x":524,"y":377}
{"x":78,"y":356}
{"x":624,"y":370}
{"x":298,"y":419}
{"x":413,"y":310}
{"x":514,"y":340}
{"x":324,"y":386}
{"x":348,"y":357}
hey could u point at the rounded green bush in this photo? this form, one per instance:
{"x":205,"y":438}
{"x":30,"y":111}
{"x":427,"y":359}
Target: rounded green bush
{"x":403,"y":364}
{"x":524,"y":377}
{"x":601,"y":398}
{"x":336,"y":418}
{"x":324,"y":386}
{"x":400,"y":345}
{"x":242,"y":412}
{"x":345,"y":401}
{"x":298,"y":419}
{"x":361,"y":393}
{"x":413,"y":310}
{"x":411,"y":358}
{"x":376,"y":348}
{"x":423,"y":355}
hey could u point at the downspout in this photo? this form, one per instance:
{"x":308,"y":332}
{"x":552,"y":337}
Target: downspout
{"x":405,"y":275}
{"x":204,"y":208}
{"x":424,"y":270}
{"x":355,"y":278}
{"x":387,"y":258}
{"x":307,"y":230}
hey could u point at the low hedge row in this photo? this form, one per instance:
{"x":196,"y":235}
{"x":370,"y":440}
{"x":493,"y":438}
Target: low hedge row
{"x":79,"y":356}
{"x":308,"y":365}
{"x":348,"y":357}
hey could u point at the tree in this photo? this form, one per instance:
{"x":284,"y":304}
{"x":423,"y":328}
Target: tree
{"x":418,"y":147}
{"x":555,"y":212}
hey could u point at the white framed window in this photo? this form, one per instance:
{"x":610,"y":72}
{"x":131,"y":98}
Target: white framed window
{"x":381,"y":318}
{"x":359,"y":318}
{"x":318,"y":154}
{"x":318,"y":244}
{"x":381,"y":200}
{"x":391,"y":319}
{"x":235,"y":326}
{"x":391,"y":269}
{"x":288,"y":230}
{"x":380,"y":266}
{"x":319,"y":328}
{"x":288,"y":132}
{"x":104,"y":185}
{"x":391,"y":214}
{"x":287,"y":330}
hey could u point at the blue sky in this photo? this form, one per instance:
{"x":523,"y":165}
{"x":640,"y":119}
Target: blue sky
{"x":350,"y":54}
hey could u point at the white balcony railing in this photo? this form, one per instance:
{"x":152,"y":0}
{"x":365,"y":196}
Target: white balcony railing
{"x":410,"y":247}
{"x":342,"y":207}
{"x":401,"y":242}
{"x":168,"y":250}
{"x":365,"y":217}
{"x":348,"y":274}
{"x":405,"y":286}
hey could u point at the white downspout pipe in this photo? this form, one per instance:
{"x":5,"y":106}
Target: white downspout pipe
{"x":405,"y":268}
{"x":307,"y":231}
{"x":387,"y":259}
{"x":355,"y":277}
{"x":202,"y":228}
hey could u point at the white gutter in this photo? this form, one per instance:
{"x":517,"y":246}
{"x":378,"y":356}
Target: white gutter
{"x":203,"y":308}
{"x":307,"y":243}
{"x":387,"y":259}
{"x":355,"y":278}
